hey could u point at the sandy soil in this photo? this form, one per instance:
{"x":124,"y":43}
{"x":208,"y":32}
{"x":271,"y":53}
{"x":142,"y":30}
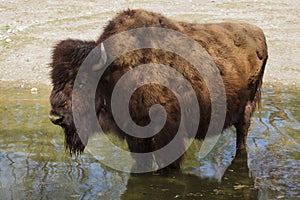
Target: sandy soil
{"x":29,"y":29}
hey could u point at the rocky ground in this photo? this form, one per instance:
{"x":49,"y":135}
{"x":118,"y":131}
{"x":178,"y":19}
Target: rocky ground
{"x":29,"y":28}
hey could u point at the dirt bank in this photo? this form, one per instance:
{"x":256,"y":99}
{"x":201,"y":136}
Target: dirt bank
{"x":28,"y":30}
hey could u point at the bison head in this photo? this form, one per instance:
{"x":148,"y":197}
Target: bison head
{"x":67,"y":57}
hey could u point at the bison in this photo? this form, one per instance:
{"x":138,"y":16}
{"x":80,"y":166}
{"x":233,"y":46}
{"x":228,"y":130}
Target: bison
{"x":239,"y":51}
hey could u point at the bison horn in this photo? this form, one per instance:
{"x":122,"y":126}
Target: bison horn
{"x":102,"y":60}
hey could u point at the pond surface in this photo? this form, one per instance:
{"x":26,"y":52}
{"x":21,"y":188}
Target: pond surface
{"x":35,"y":165}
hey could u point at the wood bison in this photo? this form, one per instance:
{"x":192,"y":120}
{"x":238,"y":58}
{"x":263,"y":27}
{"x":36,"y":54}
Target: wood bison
{"x":239,"y":51}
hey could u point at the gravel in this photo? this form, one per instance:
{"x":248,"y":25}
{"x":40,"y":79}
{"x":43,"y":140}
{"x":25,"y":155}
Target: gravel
{"x":29,"y":29}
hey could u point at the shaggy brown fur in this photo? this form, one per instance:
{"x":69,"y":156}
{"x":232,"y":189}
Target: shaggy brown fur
{"x":238,"y":49}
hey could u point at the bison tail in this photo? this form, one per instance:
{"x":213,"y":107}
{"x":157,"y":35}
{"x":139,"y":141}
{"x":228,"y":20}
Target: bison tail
{"x":257,"y":96}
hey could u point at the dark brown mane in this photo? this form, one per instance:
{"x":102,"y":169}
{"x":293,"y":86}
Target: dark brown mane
{"x":67,"y":56}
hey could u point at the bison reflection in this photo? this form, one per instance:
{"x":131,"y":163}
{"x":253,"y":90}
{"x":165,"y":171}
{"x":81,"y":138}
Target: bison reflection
{"x":235,"y":183}
{"x":238,"y":49}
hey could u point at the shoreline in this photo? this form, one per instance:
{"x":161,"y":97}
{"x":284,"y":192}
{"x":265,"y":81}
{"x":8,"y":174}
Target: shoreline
{"x":29,"y":85}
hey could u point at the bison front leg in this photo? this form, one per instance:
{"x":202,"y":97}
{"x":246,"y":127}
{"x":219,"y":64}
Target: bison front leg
{"x":173,"y":157}
{"x":242,"y":128}
{"x":161,"y":160}
{"x":141,"y":152}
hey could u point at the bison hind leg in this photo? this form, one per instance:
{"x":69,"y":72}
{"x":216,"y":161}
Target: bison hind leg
{"x":242,"y":127}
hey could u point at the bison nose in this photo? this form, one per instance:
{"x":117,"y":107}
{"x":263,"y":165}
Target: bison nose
{"x":55,"y":118}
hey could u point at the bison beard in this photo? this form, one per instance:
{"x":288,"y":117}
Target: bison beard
{"x":238,"y":49}
{"x":72,"y":140}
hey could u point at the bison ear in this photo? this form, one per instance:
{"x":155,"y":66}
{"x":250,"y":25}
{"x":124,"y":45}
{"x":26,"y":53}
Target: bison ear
{"x":103,"y":59}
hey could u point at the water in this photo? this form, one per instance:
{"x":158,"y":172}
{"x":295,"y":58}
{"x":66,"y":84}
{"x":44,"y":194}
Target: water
{"x":35,"y":165}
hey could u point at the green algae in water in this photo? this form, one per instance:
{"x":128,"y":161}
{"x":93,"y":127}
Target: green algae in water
{"x":34,"y":163}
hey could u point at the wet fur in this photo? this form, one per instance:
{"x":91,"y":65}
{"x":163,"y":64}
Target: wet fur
{"x":238,"y":49}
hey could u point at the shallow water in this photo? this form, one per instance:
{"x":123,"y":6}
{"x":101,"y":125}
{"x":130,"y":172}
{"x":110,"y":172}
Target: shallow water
{"x":34,"y":164}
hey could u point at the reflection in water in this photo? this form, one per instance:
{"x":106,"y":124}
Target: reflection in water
{"x":34,"y":163}
{"x":235,"y":183}
{"x":275,"y":145}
